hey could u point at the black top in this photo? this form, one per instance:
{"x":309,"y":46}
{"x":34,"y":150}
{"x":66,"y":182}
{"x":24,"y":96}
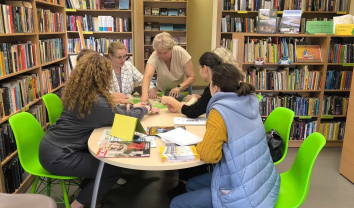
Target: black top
{"x":71,"y":132}
{"x":198,"y":108}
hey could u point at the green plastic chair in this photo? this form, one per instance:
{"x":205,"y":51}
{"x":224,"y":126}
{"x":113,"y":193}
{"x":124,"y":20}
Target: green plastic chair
{"x":295,"y":183}
{"x":54,"y":106}
{"x":280,"y":119}
{"x":28,"y":134}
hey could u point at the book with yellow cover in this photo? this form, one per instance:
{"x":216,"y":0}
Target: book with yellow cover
{"x":179,"y":154}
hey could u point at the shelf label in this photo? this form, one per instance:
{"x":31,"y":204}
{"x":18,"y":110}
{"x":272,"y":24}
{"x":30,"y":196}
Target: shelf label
{"x":87,"y":32}
{"x":242,"y":12}
{"x":280,"y":12}
{"x":348,"y":64}
{"x":25,"y":109}
{"x":344,"y":29}
{"x":70,"y":10}
{"x":305,"y":117}
{"x":342,"y":12}
{"x":327,"y":117}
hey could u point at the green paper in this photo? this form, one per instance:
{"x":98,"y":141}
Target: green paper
{"x":313,"y":27}
{"x":135,"y":101}
{"x":305,"y":117}
{"x":162,"y":93}
{"x":348,"y":64}
{"x":327,"y":117}
{"x":159,"y":106}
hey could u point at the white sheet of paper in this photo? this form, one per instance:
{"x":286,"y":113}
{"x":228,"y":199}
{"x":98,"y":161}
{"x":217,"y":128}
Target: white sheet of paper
{"x":189,"y":121}
{"x":181,"y":137}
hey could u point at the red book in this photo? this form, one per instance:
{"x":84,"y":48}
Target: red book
{"x":34,"y":49}
{"x":9,"y":8}
{"x":23,"y":57}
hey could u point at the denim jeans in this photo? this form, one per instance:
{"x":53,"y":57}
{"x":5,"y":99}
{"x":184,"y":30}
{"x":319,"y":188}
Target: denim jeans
{"x":198,"y":193}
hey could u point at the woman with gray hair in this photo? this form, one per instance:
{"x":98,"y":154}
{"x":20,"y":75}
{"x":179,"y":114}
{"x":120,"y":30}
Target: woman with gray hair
{"x":173,"y":66}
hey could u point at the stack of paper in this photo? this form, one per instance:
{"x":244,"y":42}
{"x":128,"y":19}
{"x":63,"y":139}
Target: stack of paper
{"x":189,"y":121}
{"x":181,"y":137}
{"x":179,"y":154}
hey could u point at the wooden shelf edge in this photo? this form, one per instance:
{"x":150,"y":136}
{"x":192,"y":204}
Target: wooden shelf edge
{"x":52,"y":33}
{"x":8,"y":158}
{"x":163,"y":16}
{"x":97,"y":10}
{"x":53,"y":62}
{"x":45,"y":126}
{"x":169,"y":31}
{"x":49,"y":4}
{"x":101,"y":32}
{"x":25,"y":184}
{"x":55,"y":89}
{"x":27,"y":106}
{"x":19,"y":72}
{"x":336,"y":90}
{"x":166,"y":1}
{"x":329,"y":143}
{"x":276,"y":35}
{"x":293,"y":64}
{"x":270,"y":91}
{"x":16,"y":34}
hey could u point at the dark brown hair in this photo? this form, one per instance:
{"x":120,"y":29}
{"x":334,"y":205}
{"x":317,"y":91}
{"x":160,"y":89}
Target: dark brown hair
{"x":83,"y":52}
{"x":209,"y":59}
{"x":229,"y":79}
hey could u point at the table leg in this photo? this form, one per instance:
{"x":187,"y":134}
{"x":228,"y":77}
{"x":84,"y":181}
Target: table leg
{"x":97,"y":184}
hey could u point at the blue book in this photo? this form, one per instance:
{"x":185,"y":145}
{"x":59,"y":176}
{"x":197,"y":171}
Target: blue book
{"x":172,"y":12}
{"x":179,"y":27}
{"x":124,"y":4}
{"x":166,"y":27}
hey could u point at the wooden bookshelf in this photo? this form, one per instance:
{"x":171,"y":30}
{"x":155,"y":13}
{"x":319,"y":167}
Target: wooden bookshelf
{"x":142,"y":18}
{"x":107,"y":12}
{"x":320,"y":39}
{"x":34,"y":38}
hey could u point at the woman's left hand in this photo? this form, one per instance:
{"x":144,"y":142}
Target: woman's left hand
{"x":174,"y":92}
{"x":164,"y":100}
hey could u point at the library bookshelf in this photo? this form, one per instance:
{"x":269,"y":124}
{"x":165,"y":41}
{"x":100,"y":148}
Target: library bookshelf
{"x":114,"y":12}
{"x":323,"y":67}
{"x":142,"y":18}
{"x":34,"y":37}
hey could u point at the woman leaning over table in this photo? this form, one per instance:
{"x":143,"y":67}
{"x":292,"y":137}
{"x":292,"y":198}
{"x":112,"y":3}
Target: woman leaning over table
{"x":206,"y":61}
{"x":235,"y":139}
{"x":173,"y":66}
{"x":87,"y":105}
{"x":125,"y":75}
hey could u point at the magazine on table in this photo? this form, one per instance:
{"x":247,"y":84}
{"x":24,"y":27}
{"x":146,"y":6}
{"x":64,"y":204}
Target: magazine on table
{"x":138,"y":137}
{"x":179,"y":154}
{"x":155,"y":130}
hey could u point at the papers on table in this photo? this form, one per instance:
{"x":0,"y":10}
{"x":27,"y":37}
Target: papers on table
{"x":107,"y":138}
{"x":181,"y":137}
{"x":190,"y":121}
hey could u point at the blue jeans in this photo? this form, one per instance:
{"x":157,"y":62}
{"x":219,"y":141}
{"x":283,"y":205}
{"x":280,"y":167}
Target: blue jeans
{"x":198,"y":193}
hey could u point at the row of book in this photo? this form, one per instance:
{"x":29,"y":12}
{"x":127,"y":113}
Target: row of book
{"x":338,"y":80}
{"x":51,"y":49}
{"x":163,"y":11}
{"x":335,"y":105}
{"x":50,"y":21}
{"x":17,"y":57}
{"x":53,"y":1}
{"x":98,"y":44}
{"x":238,"y":24}
{"x":287,"y":79}
{"x":99,"y":24}
{"x":178,"y":40}
{"x":309,"y":5}
{"x":341,"y":53}
{"x":301,"y":129}
{"x":16,"y":17}
{"x":333,"y":130}
{"x":7,"y":143}
{"x":14,"y":175}
{"x":156,"y":26}
{"x":53,"y":77}
{"x":18,"y":93}
{"x":302,"y":106}
{"x":96,"y":4}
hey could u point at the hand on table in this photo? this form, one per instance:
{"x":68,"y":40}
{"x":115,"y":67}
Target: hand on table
{"x":171,"y":108}
{"x":153,"y":94}
{"x":154,"y":110}
{"x":164,"y":100}
{"x":144,"y":99}
{"x":174,"y":92}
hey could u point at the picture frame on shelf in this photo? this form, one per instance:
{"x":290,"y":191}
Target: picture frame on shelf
{"x":155,"y":11}
{"x":163,"y":12}
{"x":147,"y":10}
{"x":308,"y":53}
{"x":181,"y":12}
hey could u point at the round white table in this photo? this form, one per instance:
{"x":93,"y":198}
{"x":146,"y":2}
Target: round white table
{"x":152,"y":163}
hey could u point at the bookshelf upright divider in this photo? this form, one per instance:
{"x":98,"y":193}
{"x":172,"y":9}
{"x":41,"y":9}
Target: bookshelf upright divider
{"x":323,"y":95}
{"x":18,"y":69}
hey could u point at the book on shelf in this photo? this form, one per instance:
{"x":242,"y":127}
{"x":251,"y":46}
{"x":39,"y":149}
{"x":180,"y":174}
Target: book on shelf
{"x":163,"y":11}
{"x":53,"y":77}
{"x":181,"y":12}
{"x":237,"y":24}
{"x":155,"y":26}
{"x":335,"y":105}
{"x":179,"y":154}
{"x":7,"y":143}
{"x":267,"y":21}
{"x":302,"y":128}
{"x":155,"y":130}
{"x":182,"y":40}
{"x":179,"y":27}
{"x":338,"y":80}
{"x":172,"y":12}
{"x":14,"y":175}
{"x":50,"y":21}
{"x":98,"y":44}
{"x":155,"y":11}
{"x":290,"y":22}
{"x":332,"y":130}
{"x":16,"y":17}
{"x":308,"y":53}
{"x":124,"y":4}
{"x":51,"y":49}
{"x":99,"y":24}
{"x":147,"y":10}
{"x":37,"y":112}
{"x":166,"y":26}
{"x":341,"y":50}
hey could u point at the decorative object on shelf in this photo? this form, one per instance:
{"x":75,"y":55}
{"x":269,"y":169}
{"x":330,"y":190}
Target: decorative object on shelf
{"x":308,"y":53}
{"x":109,"y":4}
{"x":181,"y":12}
{"x":172,"y":12}
{"x":124,"y":4}
{"x":147,"y":10}
{"x":155,"y":11}
{"x":290,"y":22}
{"x":259,"y":61}
{"x":267,"y":21}
{"x":284,"y":61}
{"x":163,"y":12}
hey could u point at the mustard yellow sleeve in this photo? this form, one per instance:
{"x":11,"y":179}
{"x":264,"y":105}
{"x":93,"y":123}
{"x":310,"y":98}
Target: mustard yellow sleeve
{"x":210,"y":149}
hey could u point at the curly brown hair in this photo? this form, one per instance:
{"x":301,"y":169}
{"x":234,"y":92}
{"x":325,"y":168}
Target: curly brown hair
{"x":90,"y":77}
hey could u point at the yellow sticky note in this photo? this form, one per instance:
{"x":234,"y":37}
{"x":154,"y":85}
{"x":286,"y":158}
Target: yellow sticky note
{"x":348,"y":64}
{"x":70,"y":10}
{"x":87,"y":32}
{"x":341,"y":12}
{"x":280,"y":12}
{"x":124,"y":127}
{"x":242,"y":12}
{"x":344,"y":29}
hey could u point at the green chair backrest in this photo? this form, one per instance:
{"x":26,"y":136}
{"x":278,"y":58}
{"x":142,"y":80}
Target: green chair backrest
{"x":28,"y":134}
{"x":295,"y":183}
{"x":54,"y":107}
{"x":280,"y":119}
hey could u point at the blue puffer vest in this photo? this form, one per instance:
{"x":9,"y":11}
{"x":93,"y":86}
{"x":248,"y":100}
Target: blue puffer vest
{"x":245,"y":177}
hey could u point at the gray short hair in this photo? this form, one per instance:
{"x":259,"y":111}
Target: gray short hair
{"x":163,"y":40}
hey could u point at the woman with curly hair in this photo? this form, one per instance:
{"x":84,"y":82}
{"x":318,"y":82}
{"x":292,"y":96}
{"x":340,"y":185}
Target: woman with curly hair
{"x":87,"y":105}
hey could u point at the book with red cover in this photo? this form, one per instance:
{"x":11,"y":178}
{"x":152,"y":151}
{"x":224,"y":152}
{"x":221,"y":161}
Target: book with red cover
{"x":124,"y":149}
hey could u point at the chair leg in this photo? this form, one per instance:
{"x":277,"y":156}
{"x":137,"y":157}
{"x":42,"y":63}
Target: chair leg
{"x":65,"y":194}
{"x":49,"y":185}
{"x":34,"y":186}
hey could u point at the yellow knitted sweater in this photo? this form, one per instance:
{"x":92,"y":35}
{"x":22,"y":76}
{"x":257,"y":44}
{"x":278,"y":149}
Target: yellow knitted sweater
{"x":210,"y":149}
